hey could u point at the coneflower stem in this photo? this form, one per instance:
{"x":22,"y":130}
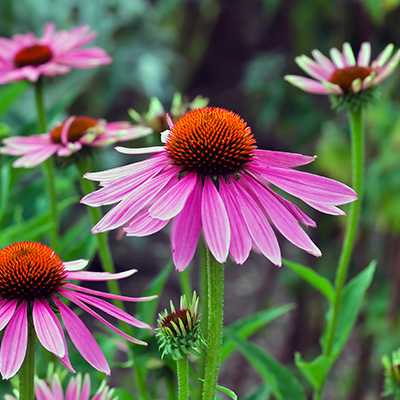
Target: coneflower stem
{"x":215,"y":281}
{"x":48,"y":168}
{"x":27,"y":370}
{"x":182,"y":367}
{"x":102,"y":238}
{"x":358,"y":155}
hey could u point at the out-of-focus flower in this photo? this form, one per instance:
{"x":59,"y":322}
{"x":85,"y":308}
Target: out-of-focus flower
{"x":76,"y":390}
{"x":33,"y":279}
{"x":392,"y":375}
{"x":25,"y":56}
{"x":67,"y":138}
{"x":179,"y":331}
{"x":343,"y":75}
{"x":155,"y":118}
{"x":211,"y":178}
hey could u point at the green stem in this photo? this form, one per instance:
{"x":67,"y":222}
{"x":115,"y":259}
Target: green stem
{"x":27,"y":371}
{"x":215,"y":325}
{"x":358,"y":155}
{"x":48,"y":168}
{"x":102,"y":238}
{"x":186,"y":285}
{"x":182,"y":366}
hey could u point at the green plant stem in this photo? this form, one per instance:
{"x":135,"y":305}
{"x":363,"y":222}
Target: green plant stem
{"x":48,"y":168}
{"x":215,"y":282}
{"x":186,"y":285}
{"x":27,"y":371}
{"x":102,"y":238}
{"x":358,"y":155}
{"x":182,"y":367}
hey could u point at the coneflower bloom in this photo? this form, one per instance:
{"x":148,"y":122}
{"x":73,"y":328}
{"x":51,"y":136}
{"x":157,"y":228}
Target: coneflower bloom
{"x":211,"y":178}
{"x":343,"y":73}
{"x":76,"y":390}
{"x":25,"y":56}
{"x":33,"y":280}
{"x":68,"y":137}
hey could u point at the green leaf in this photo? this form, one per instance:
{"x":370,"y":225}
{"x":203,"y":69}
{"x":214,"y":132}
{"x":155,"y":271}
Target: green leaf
{"x":10,"y":93}
{"x":283,"y":384}
{"x":319,"y":282}
{"x":245,"y":327}
{"x":316,"y":370}
{"x":350,"y":305}
{"x":261,"y":392}
{"x":32,"y":228}
{"x":227,"y":391}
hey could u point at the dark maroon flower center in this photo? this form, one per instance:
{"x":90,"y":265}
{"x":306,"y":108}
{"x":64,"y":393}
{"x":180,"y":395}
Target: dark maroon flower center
{"x":77,"y":129}
{"x":33,"y":55}
{"x":344,"y":77}
{"x":30,"y":270}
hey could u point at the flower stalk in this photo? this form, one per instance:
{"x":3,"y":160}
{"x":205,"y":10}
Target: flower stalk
{"x":27,"y":371}
{"x":215,"y":272}
{"x":48,"y":168}
{"x":182,"y":367}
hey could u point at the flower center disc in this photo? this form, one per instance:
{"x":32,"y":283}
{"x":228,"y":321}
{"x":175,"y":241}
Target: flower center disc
{"x":210,"y":141}
{"x":345,"y":77}
{"x":33,"y":55}
{"x":77,"y":129}
{"x":175,"y":317}
{"x":29,"y":270}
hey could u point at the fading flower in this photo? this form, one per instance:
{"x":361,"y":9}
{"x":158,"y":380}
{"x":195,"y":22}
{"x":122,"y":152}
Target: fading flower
{"x":211,"y":178}
{"x":68,"y":137}
{"x":343,"y":73}
{"x":25,"y":56}
{"x":33,"y":280}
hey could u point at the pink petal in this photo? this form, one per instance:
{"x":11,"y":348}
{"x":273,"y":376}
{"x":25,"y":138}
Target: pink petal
{"x":14,"y":343}
{"x":30,"y":160}
{"x":306,"y":84}
{"x":324,"y":61}
{"x":144,"y":225}
{"x":42,"y":391}
{"x":46,"y":329}
{"x":215,"y":222}
{"x":364,"y":55}
{"x":7,"y":311}
{"x":142,"y":150}
{"x":49,"y":29}
{"x":75,"y":265}
{"x":65,"y":129}
{"x":348,"y":55}
{"x":337,"y":58}
{"x":85,"y":392}
{"x":383,"y":57}
{"x":185,"y":230}
{"x":258,"y":225}
{"x":84,"y":58}
{"x":241,"y":241}
{"x":312,"y":68}
{"x":325,"y":208}
{"x":388,"y":69}
{"x":99,"y":276}
{"x":282,"y":159}
{"x":173,"y":201}
{"x":57,"y":388}
{"x":82,"y":338}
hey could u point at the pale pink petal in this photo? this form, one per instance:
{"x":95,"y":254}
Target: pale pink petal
{"x":82,"y":305}
{"x":7,"y":311}
{"x":82,"y":338}
{"x":170,"y":123}
{"x":52,"y":69}
{"x":337,"y":58}
{"x":49,"y":30}
{"x":42,"y":391}
{"x":383,"y":57}
{"x":325,"y":208}
{"x":85,"y":392}
{"x":144,"y":225}
{"x":46,"y":329}
{"x":215,"y":222}
{"x":84,"y":58}
{"x":388,"y":69}
{"x":332,"y":88}
{"x":258,"y":225}
{"x":173,"y":201}
{"x":72,"y":392}
{"x":364,"y":55}
{"x":306,"y":84}
{"x":185,"y":230}
{"x":348,"y":55}
{"x":142,"y":150}
{"x":57,"y":388}
{"x":312,"y":68}
{"x":36,"y":157}
{"x":99,"y":276}
{"x":241,"y":241}
{"x":75,"y":265}
{"x":14,"y":342}
{"x":282,"y":159}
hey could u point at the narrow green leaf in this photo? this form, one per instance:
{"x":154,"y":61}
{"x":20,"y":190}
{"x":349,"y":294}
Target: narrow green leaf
{"x":316,"y":370}
{"x":249,"y":325}
{"x":227,"y":391}
{"x":351,"y":302}
{"x":10,"y":93}
{"x":261,"y":392}
{"x":319,"y":282}
{"x":283,"y":384}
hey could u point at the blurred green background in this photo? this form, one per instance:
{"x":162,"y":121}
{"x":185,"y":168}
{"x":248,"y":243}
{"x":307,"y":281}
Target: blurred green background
{"x":234,"y":52}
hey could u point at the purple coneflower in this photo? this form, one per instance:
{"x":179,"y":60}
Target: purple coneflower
{"x":33,"y":279}
{"x":211,"y":178}
{"x":343,"y":73}
{"x":69,"y":137}
{"x":56,"y":52}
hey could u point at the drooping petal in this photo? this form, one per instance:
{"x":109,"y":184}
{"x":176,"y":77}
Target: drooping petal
{"x":185,"y":230}
{"x":282,"y":159}
{"x":215,"y":222}
{"x":143,"y":224}
{"x":99,"y":276}
{"x":75,"y":265}
{"x":7,"y":311}
{"x":141,"y":150}
{"x":14,"y":342}
{"x":323,"y":61}
{"x":306,"y":84}
{"x":312,"y":68}
{"x":46,"y":329}
{"x":82,"y":338}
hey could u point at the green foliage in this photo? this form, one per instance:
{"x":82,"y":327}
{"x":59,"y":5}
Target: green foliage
{"x":261,"y":392}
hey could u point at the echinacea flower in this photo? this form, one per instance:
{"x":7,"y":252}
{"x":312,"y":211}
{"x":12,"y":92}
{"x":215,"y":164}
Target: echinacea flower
{"x":343,"y":74}
{"x":76,"y":390}
{"x":68,"y":137}
{"x":33,"y":280}
{"x":25,"y":56}
{"x":211,"y":178}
